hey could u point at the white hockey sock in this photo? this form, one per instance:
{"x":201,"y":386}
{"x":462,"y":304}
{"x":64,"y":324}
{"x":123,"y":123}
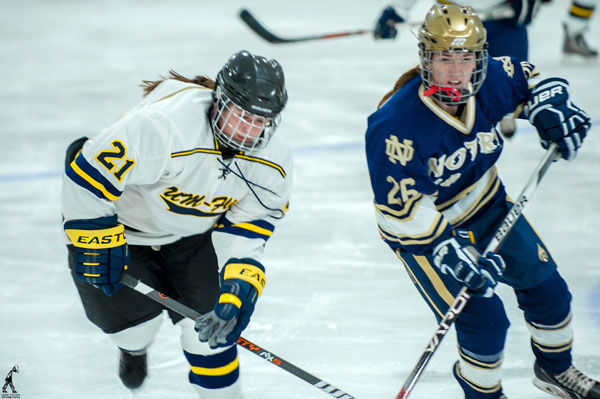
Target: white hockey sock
{"x":214,"y":373}
{"x":137,"y":338}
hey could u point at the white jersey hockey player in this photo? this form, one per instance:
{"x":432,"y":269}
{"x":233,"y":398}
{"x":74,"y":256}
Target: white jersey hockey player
{"x":182,"y":192}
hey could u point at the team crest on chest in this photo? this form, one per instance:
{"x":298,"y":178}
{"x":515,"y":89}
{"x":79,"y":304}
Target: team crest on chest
{"x":402,"y":152}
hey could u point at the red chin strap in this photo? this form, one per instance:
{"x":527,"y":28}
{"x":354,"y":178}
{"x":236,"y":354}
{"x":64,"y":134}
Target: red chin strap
{"x":454,"y":94}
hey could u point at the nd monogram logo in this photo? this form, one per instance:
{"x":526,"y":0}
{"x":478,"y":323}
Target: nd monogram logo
{"x":396,"y":151}
{"x":507,"y":65}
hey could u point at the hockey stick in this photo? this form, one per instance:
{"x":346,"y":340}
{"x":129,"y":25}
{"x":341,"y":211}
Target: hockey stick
{"x":183,"y":310}
{"x":463,"y":295}
{"x":269,"y":36}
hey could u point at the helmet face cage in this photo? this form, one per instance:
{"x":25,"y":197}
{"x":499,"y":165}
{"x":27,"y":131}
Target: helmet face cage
{"x":456,"y":74}
{"x":453,"y":53}
{"x":238,"y":129}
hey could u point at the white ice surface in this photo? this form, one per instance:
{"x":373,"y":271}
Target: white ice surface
{"x":338,"y":303}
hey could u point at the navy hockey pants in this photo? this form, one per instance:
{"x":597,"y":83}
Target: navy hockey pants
{"x":541,"y":292}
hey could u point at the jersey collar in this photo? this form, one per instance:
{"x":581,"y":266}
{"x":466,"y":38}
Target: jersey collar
{"x":465,"y":127}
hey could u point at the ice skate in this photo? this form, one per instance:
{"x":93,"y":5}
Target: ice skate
{"x":575,"y":44}
{"x":133,"y":369}
{"x":570,"y":384}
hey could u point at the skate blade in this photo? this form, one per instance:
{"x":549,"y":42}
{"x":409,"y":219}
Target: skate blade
{"x":578,"y":60}
{"x":551,"y":389}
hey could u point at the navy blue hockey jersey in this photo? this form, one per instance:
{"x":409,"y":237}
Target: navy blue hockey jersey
{"x":430,"y":171}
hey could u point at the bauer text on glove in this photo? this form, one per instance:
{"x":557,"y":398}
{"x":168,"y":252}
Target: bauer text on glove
{"x":556,"y":118}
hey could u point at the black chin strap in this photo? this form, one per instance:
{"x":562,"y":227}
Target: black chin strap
{"x":226,"y":169}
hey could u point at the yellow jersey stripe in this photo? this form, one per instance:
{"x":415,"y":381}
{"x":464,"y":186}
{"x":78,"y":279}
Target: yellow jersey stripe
{"x":254,"y":228}
{"x":195,"y":151}
{"x":262,"y":161}
{"x":227,"y":369}
{"x":93,"y":182}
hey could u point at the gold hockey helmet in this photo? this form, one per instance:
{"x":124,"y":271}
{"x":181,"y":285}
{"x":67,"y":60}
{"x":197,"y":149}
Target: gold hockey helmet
{"x":452,"y":27}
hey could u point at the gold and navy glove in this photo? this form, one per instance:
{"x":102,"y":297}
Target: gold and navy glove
{"x":556,"y":118}
{"x":457,"y":257}
{"x":101,"y":252}
{"x":242,"y":282}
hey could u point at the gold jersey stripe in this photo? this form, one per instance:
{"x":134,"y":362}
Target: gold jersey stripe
{"x":227,"y":369}
{"x":254,"y":228}
{"x":262,"y":161}
{"x":93,"y":182}
{"x":417,"y":282}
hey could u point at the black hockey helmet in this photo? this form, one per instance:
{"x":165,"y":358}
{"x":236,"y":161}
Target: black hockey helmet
{"x":254,"y":83}
{"x":249,"y":95}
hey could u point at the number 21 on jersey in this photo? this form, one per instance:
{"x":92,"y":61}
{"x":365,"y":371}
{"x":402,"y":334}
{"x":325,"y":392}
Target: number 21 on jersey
{"x":117,"y":155}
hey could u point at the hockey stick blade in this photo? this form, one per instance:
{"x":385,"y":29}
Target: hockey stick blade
{"x":270,"y":357}
{"x":261,"y":31}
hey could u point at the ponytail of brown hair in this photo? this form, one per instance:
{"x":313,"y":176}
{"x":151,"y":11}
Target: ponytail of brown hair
{"x":408,"y":75}
{"x":149,"y":85}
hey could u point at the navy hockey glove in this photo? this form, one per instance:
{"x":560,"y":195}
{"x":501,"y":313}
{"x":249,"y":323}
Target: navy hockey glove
{"x":525,"y":11}
{"x":101,"y":251}
{"x":242,"y":282}
{"x":385,"y":26}
{"x":456,"y":256}
{"x":556,"y":118}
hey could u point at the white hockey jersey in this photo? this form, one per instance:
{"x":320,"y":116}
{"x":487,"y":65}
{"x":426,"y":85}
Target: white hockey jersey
{"x":160,"y":169}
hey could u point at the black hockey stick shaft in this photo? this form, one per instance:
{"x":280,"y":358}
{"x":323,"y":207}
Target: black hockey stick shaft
{"x":272,"y":358}
{"x":463,"y":296}
{"x":269,"y":36}
{"x":261,"y":31}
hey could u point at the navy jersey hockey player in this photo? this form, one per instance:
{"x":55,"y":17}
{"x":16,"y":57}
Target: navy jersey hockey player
{"x":431,"y":152}
{"x":182,"y":192}
{"x":505,"y":22}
